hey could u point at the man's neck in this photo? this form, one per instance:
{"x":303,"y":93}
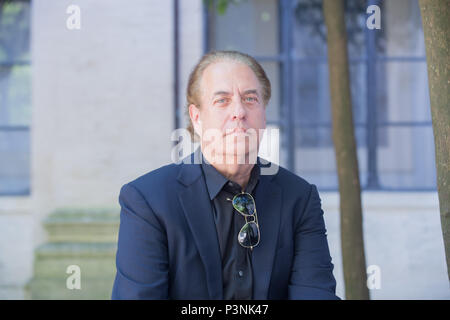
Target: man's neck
{"x":232,"y":170}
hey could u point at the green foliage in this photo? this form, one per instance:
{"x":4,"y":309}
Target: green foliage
{"x":15,"y":72}
{"x":221,"y":6}
{"x":14,"y":30}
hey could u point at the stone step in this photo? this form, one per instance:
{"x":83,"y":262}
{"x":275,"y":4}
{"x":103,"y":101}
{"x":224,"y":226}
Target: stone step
{"x":82,"y":225}
{"x":56,"y":289}
{"x":86,"y":238}
{"x":94,"y":259}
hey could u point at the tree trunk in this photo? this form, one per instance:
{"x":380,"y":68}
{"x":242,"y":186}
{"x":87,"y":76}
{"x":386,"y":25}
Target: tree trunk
{"x":436,"y":27}
{"x":352,"y":241}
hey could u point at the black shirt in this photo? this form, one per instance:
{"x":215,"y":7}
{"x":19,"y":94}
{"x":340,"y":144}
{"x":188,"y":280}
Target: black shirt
{"x":237,"y":270}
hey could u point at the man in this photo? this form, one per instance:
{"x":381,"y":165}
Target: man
{"x":214,"y":226}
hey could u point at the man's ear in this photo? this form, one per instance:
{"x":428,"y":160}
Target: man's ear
{"x":194,"y":114}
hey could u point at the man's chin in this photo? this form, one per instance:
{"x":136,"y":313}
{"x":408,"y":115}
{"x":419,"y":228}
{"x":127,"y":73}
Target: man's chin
{"x":233,"y":152}
{"x":241,"y":156}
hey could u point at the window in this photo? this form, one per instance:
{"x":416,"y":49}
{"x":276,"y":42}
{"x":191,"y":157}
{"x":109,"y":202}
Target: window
{"x":388,"y":82}
{"x":15,"y":97}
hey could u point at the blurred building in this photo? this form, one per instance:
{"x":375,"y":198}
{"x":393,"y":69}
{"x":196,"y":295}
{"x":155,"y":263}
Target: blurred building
{"x":85,"y":110}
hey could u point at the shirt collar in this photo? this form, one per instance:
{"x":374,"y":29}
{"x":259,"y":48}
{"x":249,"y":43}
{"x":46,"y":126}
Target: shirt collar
{"x":215,"y":181}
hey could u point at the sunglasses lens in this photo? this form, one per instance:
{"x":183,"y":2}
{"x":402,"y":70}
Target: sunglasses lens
{"x":244,"y":203}
{"x":249,"y":235}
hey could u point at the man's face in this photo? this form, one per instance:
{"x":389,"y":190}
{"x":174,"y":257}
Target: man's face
{"x":232,"y":113}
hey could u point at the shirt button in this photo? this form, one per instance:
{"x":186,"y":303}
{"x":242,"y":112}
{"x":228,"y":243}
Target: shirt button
{"x":241,"y":273}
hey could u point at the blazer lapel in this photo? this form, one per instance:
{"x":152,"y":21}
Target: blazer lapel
{"x":199,"y":214}
{"x":268,"y":209}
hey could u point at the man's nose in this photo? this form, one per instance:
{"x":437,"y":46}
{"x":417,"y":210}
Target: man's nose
{"x":238,"y":110}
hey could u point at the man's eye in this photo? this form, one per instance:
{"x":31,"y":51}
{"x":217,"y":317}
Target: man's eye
{"x":221,"y":100}
{"x":250,"y":99}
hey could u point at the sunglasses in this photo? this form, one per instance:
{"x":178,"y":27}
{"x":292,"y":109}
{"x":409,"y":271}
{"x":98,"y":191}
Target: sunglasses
{"x":249,"y":235}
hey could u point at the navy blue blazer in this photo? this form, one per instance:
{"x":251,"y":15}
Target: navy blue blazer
{"x":168,"y":246}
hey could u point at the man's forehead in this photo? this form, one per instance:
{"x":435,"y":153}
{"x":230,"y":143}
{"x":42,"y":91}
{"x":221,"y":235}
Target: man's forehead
{"x":223,"y":77}
{"x":210,"y":92}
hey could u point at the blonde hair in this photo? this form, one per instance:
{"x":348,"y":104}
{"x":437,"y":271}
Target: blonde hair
{"x":193,"y":87}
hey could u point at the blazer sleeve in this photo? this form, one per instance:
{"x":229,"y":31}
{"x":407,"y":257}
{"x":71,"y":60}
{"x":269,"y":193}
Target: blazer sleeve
{"x":312,"y":271}
{"x":141,"y":258}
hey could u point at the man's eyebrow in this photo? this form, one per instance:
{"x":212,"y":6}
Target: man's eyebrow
{"x":221,"y":93}
{"x":250,"y":91}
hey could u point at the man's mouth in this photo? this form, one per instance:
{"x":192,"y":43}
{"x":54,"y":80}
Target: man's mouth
{"x":235,"y":130}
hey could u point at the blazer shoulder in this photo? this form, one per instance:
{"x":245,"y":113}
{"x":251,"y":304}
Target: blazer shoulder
{"x":292,"y":181}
